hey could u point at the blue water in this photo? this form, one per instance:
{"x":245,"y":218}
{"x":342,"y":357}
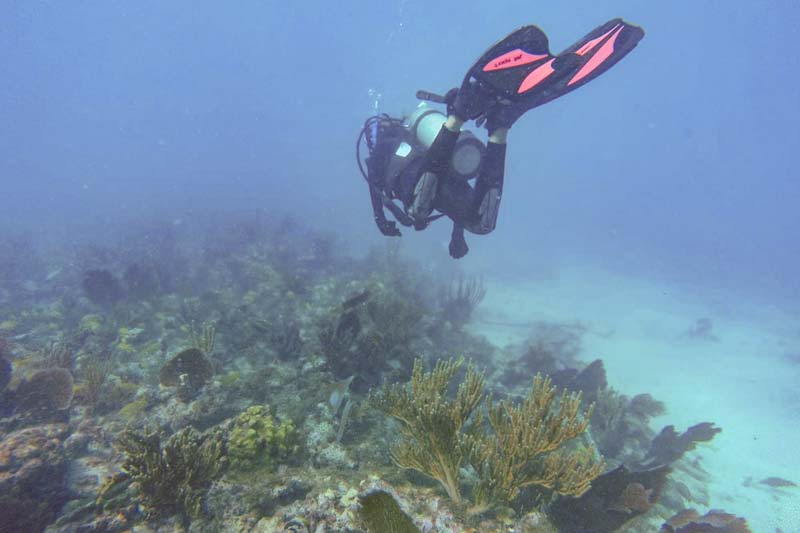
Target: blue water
{"x":681,"y":159}
{"x":678,"y":166}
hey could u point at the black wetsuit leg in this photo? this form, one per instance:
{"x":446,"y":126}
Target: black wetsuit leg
{"x":435,"y":166}
{"x":462,"y":203}
{"x":488,"y":189}
{"x":491,"y":174}
{"x":455,"y":200}
{"x":403,"y":187}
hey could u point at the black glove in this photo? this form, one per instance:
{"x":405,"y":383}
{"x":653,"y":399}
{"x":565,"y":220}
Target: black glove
{"x":502,"y":115}
{"x":458,"y":245}
{"x":388,"y":227}
{"x":468,"y":102}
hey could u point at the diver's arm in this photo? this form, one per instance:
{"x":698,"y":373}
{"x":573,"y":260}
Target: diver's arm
{"x":377,"y":204}
{"x":376,"y":176}
{"x":458,"y":244}
{"x":387,"y":227}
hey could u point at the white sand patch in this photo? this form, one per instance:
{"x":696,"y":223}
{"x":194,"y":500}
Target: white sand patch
{"x":743,"y":381}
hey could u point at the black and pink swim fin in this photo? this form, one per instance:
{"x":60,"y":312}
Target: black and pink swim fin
{"x":521,"y":70}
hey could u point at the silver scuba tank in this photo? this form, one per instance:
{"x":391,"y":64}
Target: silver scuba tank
{"x":424,"y":124}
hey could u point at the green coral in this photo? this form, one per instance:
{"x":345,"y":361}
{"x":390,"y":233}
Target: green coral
{"x":135,"y":409}
{"x":151,"y":348}
{"x":90,"y":323}
{"x":172,"y":477}
{"x":126,"y":338}
{"x":229,"y":379}
{"x":258,"y":440}
{"x":119,"y":393}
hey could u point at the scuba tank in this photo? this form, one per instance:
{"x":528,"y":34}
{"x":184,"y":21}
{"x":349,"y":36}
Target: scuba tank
{"x":410,"y":138}
{"x":424,"y":124}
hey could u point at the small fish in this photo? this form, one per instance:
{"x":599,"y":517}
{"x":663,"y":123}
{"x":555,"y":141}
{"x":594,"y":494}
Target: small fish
{"x":684,"y":491}
{"x":358,"y":299}
{"x":30,"y":286}
{"x":778,"y":482}
{"x":340,"y":391}
{"x":53,"y":274}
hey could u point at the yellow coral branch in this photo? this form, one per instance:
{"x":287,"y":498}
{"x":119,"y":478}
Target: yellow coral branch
{"x":431,"y":422}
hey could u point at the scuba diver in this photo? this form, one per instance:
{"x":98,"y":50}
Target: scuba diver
{"x":426,"y":161}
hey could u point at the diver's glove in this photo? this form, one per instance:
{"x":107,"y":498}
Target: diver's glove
{"x":468,"y":102}
{"x":502,"y":114}
{"x":387,"y":227}
{"x":458,"y":244}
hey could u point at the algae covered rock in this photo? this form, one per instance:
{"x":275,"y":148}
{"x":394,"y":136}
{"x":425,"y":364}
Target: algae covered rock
{"x":259,"y":441}
{"x":46,"y":391}
{"x":33,"y":471}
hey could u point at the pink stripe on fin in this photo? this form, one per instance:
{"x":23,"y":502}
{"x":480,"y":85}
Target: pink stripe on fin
{"x":586,"y":48}
{"x":536,"y":76}
{"x":512,"y":59}
{"x":602,"y":54}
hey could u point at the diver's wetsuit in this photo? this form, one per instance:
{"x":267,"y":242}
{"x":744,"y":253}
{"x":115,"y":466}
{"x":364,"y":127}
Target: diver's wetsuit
{"x":454,"y":198}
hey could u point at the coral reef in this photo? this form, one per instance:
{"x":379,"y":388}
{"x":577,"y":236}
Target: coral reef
{"x":258,"y":441}
{"x":523,"y":445}
{"x":615,"y":498}
{"x":57,"y":355}
{"x":460,"y":299}
{"x":280,"y":317}
{"x":286,"y":340}
{"x":95,"y":374}
{"x":45,"y":391}
{"x":777,"y":482}
{"x":204,"y":337}
{"x":526,"y":447}
{"x":33,"y":471}
{"x":188,"y":371}
{"x":5,"y":373}
{"x":552,"y":347}
{"x":102,"y":288}
{"x":172,"y":477}
{"x":381,"y":513}
{"x":590,"y":380}
{"x":621,"y":425}
{"x":142,"y":281}
{"x":690,"y":521}
{"x":669,"y":446}
{"x":370,"y":336}
{"x":431,"y":424}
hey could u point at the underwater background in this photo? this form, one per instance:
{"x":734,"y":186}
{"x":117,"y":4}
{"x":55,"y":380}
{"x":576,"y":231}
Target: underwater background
{"x":189,"y":266}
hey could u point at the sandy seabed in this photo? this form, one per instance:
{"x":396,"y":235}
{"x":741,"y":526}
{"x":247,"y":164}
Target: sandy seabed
{"x":744,"y":377}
